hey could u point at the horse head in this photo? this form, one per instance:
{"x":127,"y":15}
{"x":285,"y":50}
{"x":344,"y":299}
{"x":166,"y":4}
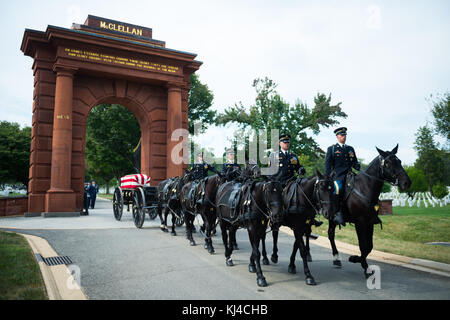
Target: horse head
{"x":273,"y":199}
{"x":392,"y":170}
{"x":323,"y":190}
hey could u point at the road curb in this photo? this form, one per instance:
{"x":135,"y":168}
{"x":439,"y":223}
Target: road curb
{"x":429,"y":266}
{"x":58,"y":280}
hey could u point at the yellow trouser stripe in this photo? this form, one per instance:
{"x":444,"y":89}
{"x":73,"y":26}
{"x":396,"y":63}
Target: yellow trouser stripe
{"x":336,"y":186}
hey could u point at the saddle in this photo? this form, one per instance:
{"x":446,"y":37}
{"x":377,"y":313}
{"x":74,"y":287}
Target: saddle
{"x":192,"y":194}
{"x":290,"y":192}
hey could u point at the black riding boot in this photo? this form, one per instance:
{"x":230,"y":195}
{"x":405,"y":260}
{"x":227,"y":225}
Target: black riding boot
{"x":317,"y":223}
{"x":339,"y":216}
{"x":376,"y":220}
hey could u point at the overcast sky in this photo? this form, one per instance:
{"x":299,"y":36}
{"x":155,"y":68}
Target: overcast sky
{"x":381,"y":59}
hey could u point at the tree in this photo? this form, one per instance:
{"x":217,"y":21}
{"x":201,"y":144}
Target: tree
{"x":434,"y":163}
{"x":270,"y":111}
{"x":112,"y":133}
{"x":441,"y":114}
{"x":14,"y":153}
{"x":418,"y":180}
{"x":200,"y":101}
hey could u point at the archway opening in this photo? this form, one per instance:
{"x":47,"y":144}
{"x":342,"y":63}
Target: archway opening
{"x":112,"y":145}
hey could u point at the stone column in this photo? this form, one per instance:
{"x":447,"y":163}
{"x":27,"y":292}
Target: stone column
{"x":174,"y":121}
{"x":60,"y":198}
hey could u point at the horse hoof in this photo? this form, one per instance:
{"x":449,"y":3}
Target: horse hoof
{"x":173,"y":233}
{"x":354,"y":259}
{"x":164,"y":230}
{"x":192,"y":243}
{"x":235,"y":247}
{"x":292,"y":269}
{"x":211,"y":250}
{"x":205,"y":246}
{"x":310,"y":281}
{"x":337,"y":263}
{"x":274,"y":259}
{"x":230,"y":263}
{"x":261,"y":282}
{"x":308,"y":258}
{"x":251,"y":268}
{"x":265,"y":261}
{"x":368,"y":275}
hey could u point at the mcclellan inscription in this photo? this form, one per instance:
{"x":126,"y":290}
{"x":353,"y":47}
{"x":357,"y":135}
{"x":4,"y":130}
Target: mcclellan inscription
{"x":121,"y":28}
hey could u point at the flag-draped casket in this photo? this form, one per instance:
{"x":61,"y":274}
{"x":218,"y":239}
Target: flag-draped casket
{"x":133,"y":181}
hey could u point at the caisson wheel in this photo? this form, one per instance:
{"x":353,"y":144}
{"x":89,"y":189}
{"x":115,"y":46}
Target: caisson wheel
{"x":179,"y":221}
{"x":118,"y":203}
{"x":153,"y":212}
{"x":138,"y":207}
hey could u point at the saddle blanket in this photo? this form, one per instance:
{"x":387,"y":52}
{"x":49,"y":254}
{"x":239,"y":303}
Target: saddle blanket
{"x":133,"y":181}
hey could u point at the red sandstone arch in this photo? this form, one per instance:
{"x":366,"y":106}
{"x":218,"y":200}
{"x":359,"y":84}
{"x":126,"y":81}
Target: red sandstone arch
{"x":80,"y":68}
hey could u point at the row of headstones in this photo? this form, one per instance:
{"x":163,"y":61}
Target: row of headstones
{"x":419,"y":198}
{"x":8,"y":190}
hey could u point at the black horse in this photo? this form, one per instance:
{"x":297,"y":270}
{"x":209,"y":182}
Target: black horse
{"x":361,"y":198}
{"x":168,"y":201}
{"x":206,"y":206}
{"x":251,"y":205}
{"x":303,"y":199}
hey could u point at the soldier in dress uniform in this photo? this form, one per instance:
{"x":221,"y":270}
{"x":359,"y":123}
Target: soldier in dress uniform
{"x":288,"y":165}
{"x":230,"y":165}
{"x":200,"y":169}
{"x":340,"y":160}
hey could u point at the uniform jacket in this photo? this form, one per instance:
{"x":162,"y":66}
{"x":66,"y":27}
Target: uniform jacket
{"x":340,"y":160}
{"x":288,"y":164}
{"x":200,"y":170}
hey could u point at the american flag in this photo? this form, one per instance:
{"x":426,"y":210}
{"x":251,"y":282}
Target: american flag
{"x":133,"y":181}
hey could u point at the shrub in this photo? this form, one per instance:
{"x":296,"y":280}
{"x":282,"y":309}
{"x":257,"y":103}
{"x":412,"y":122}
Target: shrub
{"x":439,"y":191}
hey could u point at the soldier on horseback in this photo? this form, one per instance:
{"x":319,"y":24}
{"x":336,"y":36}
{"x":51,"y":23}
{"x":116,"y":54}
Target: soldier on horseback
{"x":200,"y":169}
{"x":288,"y":165}
{"x":340,"y":160}
{"x":231,"y":169}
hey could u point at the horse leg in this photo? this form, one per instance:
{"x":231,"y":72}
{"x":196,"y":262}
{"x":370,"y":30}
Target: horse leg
{"x":307,"y":234}
{"x":164,"y":222}
{"x":255,"y":236}
{"x":174,"y":218}
{"x":265,"y":261}
{"x":233,"y":242}
{"x":274,"y":256}
{"x":208,"y":226}
{"x":292,"y":268}
{"x":362,"y":232}
{"x":189,"y":224}
{"x":331,"y":231}
{"x":228,"y":250}
{"x":299,"y":238}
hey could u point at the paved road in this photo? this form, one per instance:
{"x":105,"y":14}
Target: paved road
{"x":118,"y":261}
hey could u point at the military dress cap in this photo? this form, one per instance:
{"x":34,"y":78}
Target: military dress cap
{"x":230,"y":151}
{"x":342,"y":130}
{"x":284,"y":137}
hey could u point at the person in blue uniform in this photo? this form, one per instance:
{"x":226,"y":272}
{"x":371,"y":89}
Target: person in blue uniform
{"x":231,"y":166}
{"x":200,"y":168}
{"x":288,"y":165}
{"x":340,"y":160}
{"x":93,"y":190}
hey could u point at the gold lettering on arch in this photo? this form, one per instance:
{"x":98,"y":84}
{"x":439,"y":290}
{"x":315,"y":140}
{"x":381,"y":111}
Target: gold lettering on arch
{"x":121,"y":28}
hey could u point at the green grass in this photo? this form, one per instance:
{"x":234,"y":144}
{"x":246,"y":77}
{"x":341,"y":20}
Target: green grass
{"x":20,"y":276}
{"x":406,"y":233}
{"x":105,"y":196}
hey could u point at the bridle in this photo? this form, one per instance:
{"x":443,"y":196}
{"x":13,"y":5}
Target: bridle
{"x":393,"y":179}
{"x":317,"y":194}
